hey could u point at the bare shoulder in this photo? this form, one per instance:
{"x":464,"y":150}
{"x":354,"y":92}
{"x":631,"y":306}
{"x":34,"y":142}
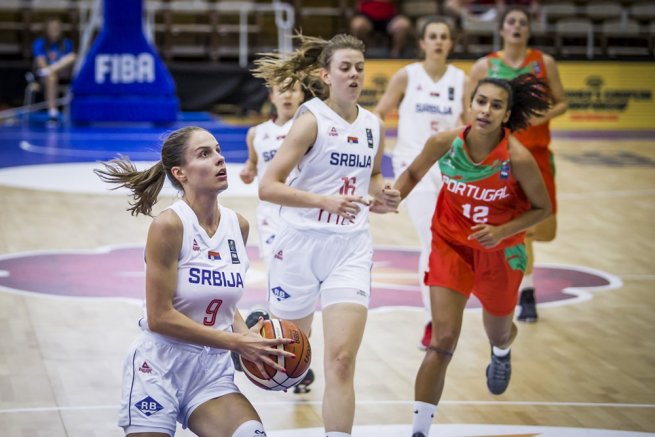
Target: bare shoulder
{"x":443,"y":140}
{"x":165,"y":236}
{"x":167,"y":222}
{"x":479,"y":69}
{"x":518,"y":153}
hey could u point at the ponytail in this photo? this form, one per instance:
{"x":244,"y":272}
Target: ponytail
{"x":286,"y":69}
{"x":145,"y":185}
{"x":527,"y":97}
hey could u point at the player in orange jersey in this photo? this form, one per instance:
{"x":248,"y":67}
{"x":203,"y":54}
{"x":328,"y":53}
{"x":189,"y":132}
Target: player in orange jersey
{"x":514,"y":59}
{"x":492,"y":193}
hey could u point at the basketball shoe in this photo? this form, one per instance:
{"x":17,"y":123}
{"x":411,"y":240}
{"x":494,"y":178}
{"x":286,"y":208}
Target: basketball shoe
{"x":303,"y":386}
{"x":251,"y":320}
{"x":427,"y":337}
{"x":528,"y":306}
{"x":418,"y":434}
{"x":499,"y":372}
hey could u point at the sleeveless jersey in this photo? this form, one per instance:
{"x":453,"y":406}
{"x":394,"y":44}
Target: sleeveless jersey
{"x":427,"y":107}
{"x":340,"y":162}
{"x":482,"y":193}
{"x":533,"y":136}
{"x":211,"y":271}
{"x":266,"y":142}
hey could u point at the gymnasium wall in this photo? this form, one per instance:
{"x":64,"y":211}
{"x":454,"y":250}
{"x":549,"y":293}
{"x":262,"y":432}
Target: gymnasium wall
{"x":601,"y":95}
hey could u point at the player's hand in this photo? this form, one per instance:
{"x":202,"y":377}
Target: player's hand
{"x":387,"y":201}
{"x":247,"y":174}
{"x":346,"y":207}
{"x":487,"y":235}
{"x":253,"y":347}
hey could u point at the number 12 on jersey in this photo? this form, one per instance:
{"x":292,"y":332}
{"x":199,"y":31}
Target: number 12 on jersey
{"x":479,"y":213}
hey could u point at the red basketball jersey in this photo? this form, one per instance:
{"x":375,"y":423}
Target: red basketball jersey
{"x":533,"y":136}
{"x":477,"y":193}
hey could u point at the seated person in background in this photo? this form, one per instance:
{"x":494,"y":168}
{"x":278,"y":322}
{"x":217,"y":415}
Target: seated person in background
{"x":486,"y":10}
{"x":382,"y":16}
{"x":53,"y":61}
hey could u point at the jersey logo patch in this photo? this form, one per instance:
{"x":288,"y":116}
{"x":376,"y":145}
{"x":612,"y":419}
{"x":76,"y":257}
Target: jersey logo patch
{"x":270,"y":239}
{"x":145,"y":368}
{"x":279,"y":255}
{"x":233,"y":251}
{"x":504,"y":170}
{"x":213,"y":255}
{"x":369,"y":138}
{"x":353,"y":140}
{"x":148,"y":406}
{"x":451,"y":93}
{"x":333,"y":132}
{"x":196,"y":246}
{"x":433,"y":94}
{"x":279,"y":293}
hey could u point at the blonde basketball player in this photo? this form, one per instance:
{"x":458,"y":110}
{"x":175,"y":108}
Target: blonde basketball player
{"x":263,"y":142}
{"x":514,"y":59}
{"x":179,"y":369}
{"x":429,"y":96}
{"x":331,"y":159}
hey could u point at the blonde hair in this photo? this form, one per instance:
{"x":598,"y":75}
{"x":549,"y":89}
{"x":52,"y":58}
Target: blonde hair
{"x":285,"y":70}
{"x":147,"y":184}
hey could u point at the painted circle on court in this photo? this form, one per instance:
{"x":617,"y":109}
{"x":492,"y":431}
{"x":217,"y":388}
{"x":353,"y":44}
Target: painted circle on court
{"x":119,"y":272}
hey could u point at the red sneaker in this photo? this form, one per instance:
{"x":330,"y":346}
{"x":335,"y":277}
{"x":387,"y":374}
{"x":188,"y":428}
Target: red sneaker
{"x":427,"y":337}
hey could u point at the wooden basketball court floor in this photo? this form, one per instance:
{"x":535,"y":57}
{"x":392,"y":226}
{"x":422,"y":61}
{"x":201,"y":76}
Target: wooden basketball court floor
{"x":588,"y":364}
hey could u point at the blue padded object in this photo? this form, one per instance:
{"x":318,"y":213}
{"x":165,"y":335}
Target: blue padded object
{"x":122,"y":77}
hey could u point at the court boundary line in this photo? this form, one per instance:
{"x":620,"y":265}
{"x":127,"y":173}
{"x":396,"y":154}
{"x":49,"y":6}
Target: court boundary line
{"x":371,"y":402}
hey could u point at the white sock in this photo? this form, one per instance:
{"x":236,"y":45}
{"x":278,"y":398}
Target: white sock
{"x":251,"y":428}
{"x":527,"y":281}
{"x":423,"y":415}
{"x":336,"y":434}
{"x":501,"y":352}
{"x":53,"y":112}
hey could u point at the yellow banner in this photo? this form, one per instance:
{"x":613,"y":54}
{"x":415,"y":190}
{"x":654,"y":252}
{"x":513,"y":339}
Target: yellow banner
{"x":601,"y":95}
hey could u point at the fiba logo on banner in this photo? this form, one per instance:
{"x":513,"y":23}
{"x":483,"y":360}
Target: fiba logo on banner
{"x":125,"y":68}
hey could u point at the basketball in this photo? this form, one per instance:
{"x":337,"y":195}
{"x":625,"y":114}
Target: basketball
{"x":296,"y":368}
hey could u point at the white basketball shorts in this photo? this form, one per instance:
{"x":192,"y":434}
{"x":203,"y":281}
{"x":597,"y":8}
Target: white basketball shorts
{"x":165,"y":380}
{"x":307,"y":265}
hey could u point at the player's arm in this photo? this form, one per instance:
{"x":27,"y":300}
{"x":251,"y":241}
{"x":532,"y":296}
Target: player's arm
{"x":385,"y":198}
{"x":162,"y":250}
{"x":249,"y":170}
{"x":435,"y":147}
{"x":526,"y":172}
{"x":558,"y":95}
{"x":466,"y":100}
{"x":273,"y":188}
{"x":478,"y":72}
{"x":392,"y":95}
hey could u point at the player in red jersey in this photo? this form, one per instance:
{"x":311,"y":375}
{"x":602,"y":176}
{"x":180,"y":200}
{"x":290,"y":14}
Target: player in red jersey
{"x":514,"y":59}
{"x":492,"y":193}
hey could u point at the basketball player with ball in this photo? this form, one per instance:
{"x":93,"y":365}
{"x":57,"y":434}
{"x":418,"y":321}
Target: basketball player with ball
{"x":179,"y":368}
{"x":331,"y":159}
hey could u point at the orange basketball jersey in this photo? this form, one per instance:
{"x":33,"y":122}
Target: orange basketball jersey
{"x":477,"y":193}
{"x":533,"y":136}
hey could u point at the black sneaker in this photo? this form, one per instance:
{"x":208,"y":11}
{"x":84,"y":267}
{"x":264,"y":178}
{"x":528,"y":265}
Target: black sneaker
{"x":418,"y":434}
{"x":499,"y":372}
{"x":303,"y":386}
{"x":251,"y":320}
{"x":528,"y":306}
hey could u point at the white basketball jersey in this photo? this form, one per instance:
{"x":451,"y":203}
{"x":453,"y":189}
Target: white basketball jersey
{"x":340,"y":162}
{"x":266,"y":142}
{"x":427,"y":107}
{"x":211,"y":270}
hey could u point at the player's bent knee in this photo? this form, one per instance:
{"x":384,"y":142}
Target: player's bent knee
{"x":251,"y":428}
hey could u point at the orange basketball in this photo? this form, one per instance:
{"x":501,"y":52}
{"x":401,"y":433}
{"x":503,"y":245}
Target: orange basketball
{"x":296,"y":368}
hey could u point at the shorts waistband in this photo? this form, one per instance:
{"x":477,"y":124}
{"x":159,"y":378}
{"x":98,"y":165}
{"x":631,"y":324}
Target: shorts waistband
{"x":193,"y":348}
